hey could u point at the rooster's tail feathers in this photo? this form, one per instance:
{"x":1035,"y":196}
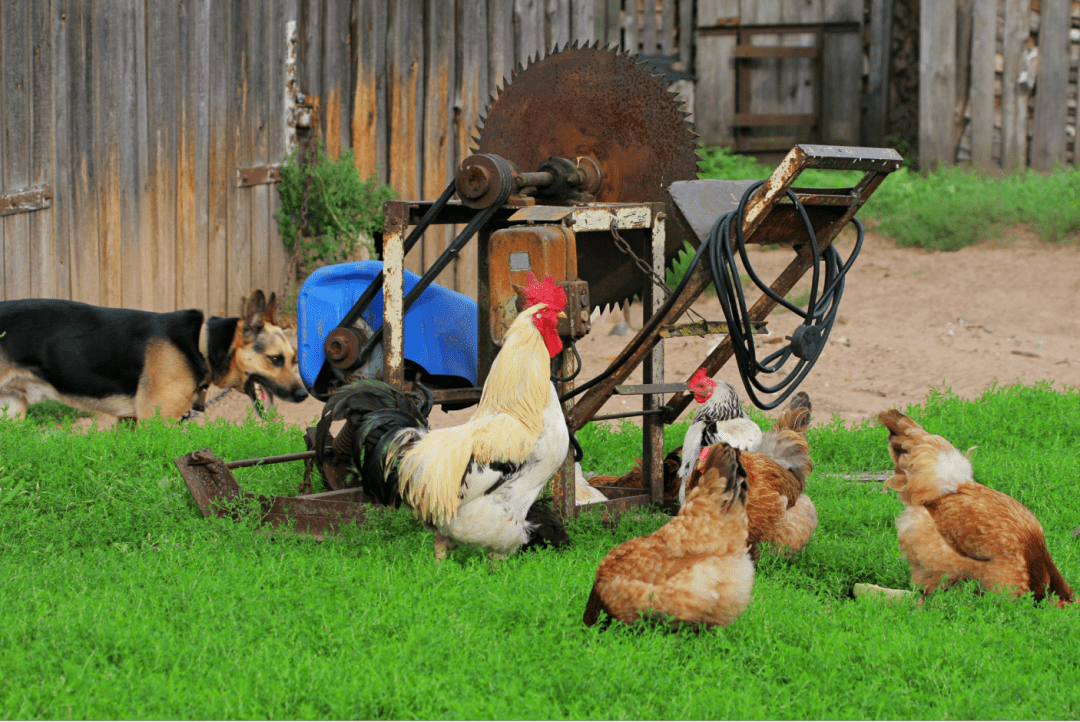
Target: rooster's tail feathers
{"x":797,"y":415}
{"x":899,"y":423}
{"x":545,"y":528}
{"x":374,"y":412}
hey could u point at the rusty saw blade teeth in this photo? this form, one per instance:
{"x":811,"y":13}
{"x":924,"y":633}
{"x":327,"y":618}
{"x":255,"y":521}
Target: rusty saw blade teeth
{"x":606,"y":104}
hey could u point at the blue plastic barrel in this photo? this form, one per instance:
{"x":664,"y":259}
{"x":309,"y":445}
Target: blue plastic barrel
{"x":440,"y":328}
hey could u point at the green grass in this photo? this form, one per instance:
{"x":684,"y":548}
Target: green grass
{"x":947,"y":209}
{"x":121,"y":601}
{"x":47,"y":413}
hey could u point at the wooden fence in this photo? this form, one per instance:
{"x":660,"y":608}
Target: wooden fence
{"x":775,"y":72}
{"x":132,"y":121}
{"x":998,"y":83}
{"x":138,"y":139}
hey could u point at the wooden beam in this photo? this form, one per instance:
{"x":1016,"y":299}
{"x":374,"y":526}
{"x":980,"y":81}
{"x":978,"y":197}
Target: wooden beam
{"x":875,"y":122}
{"x":1051,"y":96}
{"x":937,"y":83}
{"x":983,"y":47}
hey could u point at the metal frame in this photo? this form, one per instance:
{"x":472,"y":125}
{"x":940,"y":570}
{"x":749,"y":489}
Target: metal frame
{"x":770,"y":218}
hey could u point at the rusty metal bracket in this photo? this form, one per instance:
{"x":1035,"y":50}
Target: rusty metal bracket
{"x":25,"y":200}
{"x":214,"y":489}
{"x":259,"y":175}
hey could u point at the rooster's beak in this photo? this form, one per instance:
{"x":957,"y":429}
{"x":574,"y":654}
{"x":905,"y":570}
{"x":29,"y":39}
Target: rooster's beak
{"x":561,"y":315}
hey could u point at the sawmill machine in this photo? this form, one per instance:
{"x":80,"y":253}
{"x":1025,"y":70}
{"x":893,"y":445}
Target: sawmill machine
{"x":585,"y":168}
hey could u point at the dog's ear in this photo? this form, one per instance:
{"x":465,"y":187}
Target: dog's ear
{"x":252,"y":315}
{"x":270,"y":314}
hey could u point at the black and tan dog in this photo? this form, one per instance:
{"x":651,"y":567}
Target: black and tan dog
{"x":129,"y":363}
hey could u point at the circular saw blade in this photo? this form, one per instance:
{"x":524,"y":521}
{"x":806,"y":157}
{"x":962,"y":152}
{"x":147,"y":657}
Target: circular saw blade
{"x":605,"y":105}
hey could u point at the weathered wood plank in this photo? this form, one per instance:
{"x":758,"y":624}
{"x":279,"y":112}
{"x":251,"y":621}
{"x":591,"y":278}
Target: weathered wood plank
{"x":81,"y":96}
{"x":257,"y":120}
{"x":162,"y":77}
{"x":336,"y":86}
{"x":612,"y":22}
{"x":238,"y":153}
{"x":583,"y":19}
{"x":438,"y":146}
{"x":666,"y":30}
{"x":983,"y":46}
{"x":142,"y":249}
{"x":219,"y":173}
{"x":937,"y":83}
{"x":312,"y":17}
{"x":501,"y":62}
{"x":875,"y":121}
{"x":284,"y":16}
{"x":631,"y":27}
{"x":685,"y":39}
{"x":471,"y":94}
{"x":3,"y":187}
{"x":47,"y":274}
{"x":62,"y":181}
{"x":15,"y":126}
{"x":714,"y":111}
{"x":759,"y":80}
{"x":108,"y":79}
{"x":964,"y":18}
{"x":842,"y":68}
{"x":369,"y":116}
{"x":193,"y":79}
{"x":1051,"y":104}
{"x":557,"y":16}
{"x":649,"y":39}
{"x":1014,"y":94}
{"x":405,"y":58}
{"x":529,"y":41}
{"x":800,"y":79}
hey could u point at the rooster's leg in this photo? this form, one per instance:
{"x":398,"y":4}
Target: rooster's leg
{"x":442,"y":545}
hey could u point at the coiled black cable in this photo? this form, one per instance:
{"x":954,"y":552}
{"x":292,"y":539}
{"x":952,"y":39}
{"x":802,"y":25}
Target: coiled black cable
{"x":808,"y":340}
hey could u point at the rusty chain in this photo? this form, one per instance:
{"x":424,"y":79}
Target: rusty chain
{"x":624,"y":247}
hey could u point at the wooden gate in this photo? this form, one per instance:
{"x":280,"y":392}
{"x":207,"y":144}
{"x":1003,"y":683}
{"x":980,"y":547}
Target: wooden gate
{"x":763,"y":66}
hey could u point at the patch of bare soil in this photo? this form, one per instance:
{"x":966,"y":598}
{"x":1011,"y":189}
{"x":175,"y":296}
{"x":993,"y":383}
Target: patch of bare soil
{"x":910,"y":320}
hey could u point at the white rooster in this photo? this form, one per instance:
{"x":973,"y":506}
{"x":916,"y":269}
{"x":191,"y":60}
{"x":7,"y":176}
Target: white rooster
{"x":474,"y":484}
{"x":720,"y":418}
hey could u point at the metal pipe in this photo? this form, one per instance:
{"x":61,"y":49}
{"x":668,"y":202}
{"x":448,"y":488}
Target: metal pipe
{"x":281,"y":458}
{"x":628,"y":414}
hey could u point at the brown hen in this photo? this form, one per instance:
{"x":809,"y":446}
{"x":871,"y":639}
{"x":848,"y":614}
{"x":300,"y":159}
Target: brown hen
{"x":695,"y":569}
{"x":954,"y":528}
{"x":777,"y":467}
{"x":635,"y":478}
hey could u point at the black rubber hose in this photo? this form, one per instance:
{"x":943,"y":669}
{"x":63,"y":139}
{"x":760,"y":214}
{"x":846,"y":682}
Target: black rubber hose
{"x":818,"y":318}
{"x":809,"y":339}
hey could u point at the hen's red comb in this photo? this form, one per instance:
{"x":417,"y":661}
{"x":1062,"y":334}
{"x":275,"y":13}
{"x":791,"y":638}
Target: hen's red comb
{"x":546,"y":291}
{"x":704,"y":453}
{"x":700,"y":377}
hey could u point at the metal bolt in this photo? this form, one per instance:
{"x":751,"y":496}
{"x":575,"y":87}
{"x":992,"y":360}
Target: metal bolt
{"x":474,"y":182}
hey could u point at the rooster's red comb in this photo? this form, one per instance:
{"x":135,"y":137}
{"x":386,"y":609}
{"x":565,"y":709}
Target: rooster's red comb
{"x":546,"y":291}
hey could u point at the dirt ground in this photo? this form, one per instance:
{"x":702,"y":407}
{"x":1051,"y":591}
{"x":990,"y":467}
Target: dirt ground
{"x":909,"y":319}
